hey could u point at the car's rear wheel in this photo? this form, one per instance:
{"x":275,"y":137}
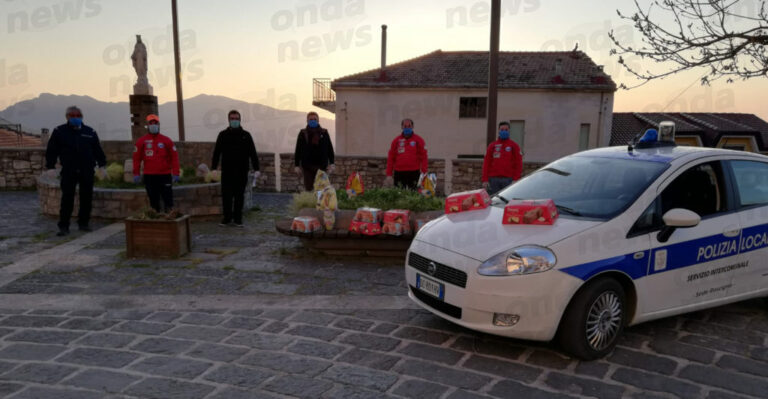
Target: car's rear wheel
{"x":593,"y":320}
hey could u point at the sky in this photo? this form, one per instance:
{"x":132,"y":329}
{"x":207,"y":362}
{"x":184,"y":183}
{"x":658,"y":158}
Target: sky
{"x":269,"y":51}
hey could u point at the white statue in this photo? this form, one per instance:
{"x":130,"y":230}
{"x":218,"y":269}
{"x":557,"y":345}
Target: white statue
{"x":139,"y":58}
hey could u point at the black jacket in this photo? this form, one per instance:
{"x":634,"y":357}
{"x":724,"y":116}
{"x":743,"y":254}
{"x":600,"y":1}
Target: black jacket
{"x":308,"y":154}
{"x":235,"y":148}
{"x":77,"y":149}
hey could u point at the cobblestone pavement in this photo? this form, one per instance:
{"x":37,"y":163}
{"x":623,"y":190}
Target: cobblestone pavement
{"x":250,"y":314}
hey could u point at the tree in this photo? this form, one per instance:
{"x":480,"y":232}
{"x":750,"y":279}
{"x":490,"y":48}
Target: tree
{"x":726,"y":38}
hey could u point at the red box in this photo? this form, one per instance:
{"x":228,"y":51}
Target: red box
{"x":397,"y":222}
{"x":467,"y":201}
{"x":306,"y":224}
{"x":530,"y":212}
{"x":369,"y":215}
{"x":367,"y":228}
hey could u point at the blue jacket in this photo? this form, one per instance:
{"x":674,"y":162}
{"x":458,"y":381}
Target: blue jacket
{"x":77,"y":149}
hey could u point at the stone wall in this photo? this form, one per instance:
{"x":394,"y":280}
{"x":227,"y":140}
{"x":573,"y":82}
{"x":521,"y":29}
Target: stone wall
{"x":193,"y":153}
{"x":466,"y":174}
{"x":19,"y":167}
{"x":193,"y":199}
{"x":373,"y":170}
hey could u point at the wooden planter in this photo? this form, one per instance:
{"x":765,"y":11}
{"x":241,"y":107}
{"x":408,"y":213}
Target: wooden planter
{"x":157,"y":238}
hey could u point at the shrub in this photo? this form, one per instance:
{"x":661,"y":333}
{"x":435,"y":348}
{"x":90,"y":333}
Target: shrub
{"x":304,"y":199}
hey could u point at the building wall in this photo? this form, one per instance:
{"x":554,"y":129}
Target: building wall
{"x":368,"y":120}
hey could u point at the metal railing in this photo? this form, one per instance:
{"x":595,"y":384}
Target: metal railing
{"x":321,"y":91}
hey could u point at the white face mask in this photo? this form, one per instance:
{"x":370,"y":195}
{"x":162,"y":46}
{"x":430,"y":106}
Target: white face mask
{"x":154,"y":129}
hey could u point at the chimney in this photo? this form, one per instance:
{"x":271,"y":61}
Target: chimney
{"x":383,"y":73}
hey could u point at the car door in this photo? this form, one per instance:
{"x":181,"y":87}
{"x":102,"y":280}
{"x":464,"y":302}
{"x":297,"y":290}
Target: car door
{"x":682,"y":270}
{"x":751,"y":190}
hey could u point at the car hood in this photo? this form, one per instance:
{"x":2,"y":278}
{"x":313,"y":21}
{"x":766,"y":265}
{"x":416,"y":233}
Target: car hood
{"x":480,"y":234}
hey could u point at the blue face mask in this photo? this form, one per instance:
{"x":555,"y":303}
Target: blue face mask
{"x":154,"y":129}
{"x":234,"y":124}
{"x":408,"y":132}
{"x":313,"y":123}
{"x":504,"y":134}
{"x":76,"y":122}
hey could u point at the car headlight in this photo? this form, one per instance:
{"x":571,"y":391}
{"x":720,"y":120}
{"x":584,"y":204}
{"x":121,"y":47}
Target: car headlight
{"x":521,"y":260}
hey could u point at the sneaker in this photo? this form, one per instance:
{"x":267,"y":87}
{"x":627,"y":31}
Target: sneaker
{"x":224,"y":222}
{"x":63,"y":231}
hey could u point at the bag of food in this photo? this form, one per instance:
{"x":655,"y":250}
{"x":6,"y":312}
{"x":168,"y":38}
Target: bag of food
{"x":530,"y":212}
{"x":306,"y":224}
{"x":467,"y":201}
{"x":397,"y":222}
{"x":369,"y":215}
{"x":427,"y":184}
{"x":321,"y":181}
{"x":329,"y":218}
{"x":354,"y":185}
{"x":326,"y":199}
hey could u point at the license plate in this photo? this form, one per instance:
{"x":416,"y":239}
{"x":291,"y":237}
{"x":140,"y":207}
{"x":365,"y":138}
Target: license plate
{"x":430,"y":286}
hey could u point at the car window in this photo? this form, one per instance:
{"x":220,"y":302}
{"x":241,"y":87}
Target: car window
{"x":700,"y":189}
{"x":751,"y":182}
{"x":648,"y":221}
{"x":589,"y":186}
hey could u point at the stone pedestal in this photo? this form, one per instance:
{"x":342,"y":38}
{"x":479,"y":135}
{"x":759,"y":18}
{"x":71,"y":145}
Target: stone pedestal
{"x":141,"y":106}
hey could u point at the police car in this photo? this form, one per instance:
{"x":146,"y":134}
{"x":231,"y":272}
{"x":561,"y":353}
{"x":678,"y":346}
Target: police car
{"x":644,"y":232}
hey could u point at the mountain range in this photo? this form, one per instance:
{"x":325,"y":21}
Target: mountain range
{"x":273,"y":130}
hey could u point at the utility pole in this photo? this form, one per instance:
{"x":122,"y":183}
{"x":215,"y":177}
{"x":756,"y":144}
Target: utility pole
{"x":493,"y":71}
{"x":177,"y":60}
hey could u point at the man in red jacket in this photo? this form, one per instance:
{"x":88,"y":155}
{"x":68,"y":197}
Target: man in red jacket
{"x":161,"y":165}
{"x":407,"y":158}
{"x":503,"y":162}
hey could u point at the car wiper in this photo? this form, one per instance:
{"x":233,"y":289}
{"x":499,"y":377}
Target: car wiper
{"x":568,"y":210}
{"x":557,"y":171}
{"x":506,"y":201}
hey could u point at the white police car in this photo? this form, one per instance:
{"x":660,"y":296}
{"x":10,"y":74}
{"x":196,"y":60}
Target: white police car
{"x":643,"y":233}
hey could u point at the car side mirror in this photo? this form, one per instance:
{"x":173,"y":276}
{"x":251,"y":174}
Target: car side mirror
{"x":677,"y":218}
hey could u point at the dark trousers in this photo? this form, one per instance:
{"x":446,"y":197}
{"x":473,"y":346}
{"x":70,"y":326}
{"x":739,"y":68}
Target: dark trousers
{"x":159,"y":186}
{"x":407,"y":179}
{"x":309,"y":172}
{"x":69,"y":180}
{"x":496,"y":184}
{"x":232,"y":192}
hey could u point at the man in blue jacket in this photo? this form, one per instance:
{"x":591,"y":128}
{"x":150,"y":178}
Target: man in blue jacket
{"x":77,"y":148}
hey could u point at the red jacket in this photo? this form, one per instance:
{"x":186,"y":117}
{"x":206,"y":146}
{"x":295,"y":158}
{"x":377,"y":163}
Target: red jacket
{"x":502,"y":159}
{"x":406,"y":154}
{"x":158,"y":153}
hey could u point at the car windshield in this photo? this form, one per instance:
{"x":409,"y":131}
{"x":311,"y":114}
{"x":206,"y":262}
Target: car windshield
{"x":589,"y":186}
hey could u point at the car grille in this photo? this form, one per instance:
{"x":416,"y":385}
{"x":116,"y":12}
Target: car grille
{"x":443,"y":272}
{"x":434,"y":303}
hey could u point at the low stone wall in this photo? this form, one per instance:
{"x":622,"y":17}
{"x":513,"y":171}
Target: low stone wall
{"x":19,"y":167}
{"x":192,"y":199}
{"x":466,"y":174}
{"x":373,"y":170}
{"x":193,"y":153}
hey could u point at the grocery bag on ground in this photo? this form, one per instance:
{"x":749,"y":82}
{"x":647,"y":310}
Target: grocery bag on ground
{"x":354,"y":185}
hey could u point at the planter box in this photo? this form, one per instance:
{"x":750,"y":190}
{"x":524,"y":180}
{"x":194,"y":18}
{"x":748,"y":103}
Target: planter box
{"x":157,"y":238}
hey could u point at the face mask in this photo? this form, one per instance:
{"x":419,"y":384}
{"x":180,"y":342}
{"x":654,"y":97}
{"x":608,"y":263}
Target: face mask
{"x":504,"y":134}
{"x":313,"y":123}
{"x":154,"y":129}
{"x":408,"y":131}
{"x":76,"y":122}
{"x":234,"y":124}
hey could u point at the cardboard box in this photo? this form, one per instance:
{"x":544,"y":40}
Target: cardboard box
{"x":397,"y":222}
{"x":367,"y":228}
{"x":368,"y":215}
{"x":306,"y":224}
{"x":530,"y":212}
{"x":467,"y":201}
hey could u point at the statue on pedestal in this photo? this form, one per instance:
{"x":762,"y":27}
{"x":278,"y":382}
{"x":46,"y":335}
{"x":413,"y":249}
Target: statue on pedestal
{"x":139,"y":58}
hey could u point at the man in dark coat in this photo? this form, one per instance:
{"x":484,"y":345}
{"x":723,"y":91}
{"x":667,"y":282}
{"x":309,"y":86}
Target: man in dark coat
{"x":314,"y":151}
{"x":76,"y":146}
{"x":236,"y":150}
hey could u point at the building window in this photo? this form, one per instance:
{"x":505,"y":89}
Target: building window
{"x":584,"y":137}
{"x":517,"y":133}
{"x":472,"y":107}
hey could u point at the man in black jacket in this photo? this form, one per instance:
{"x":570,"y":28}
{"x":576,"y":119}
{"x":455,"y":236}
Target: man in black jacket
{"x":313,"y":151}
{"x":236,"y":149}
{"x":78,"y":149}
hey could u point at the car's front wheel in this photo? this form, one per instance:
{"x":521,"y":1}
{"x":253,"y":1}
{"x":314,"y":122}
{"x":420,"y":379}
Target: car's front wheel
{"x":593,"y":320}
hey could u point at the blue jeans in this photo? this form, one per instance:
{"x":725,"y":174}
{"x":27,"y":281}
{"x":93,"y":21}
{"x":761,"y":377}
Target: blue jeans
{"x":496,"y":184}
